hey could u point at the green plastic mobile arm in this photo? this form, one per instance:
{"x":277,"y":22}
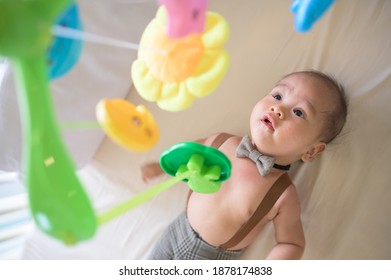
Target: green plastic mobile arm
{"x":58,"y":203}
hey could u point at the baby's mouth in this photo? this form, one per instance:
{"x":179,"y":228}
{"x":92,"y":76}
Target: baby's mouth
{"x":268,"y":122}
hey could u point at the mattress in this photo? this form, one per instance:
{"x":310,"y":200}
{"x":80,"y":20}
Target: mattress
{"x":344,"y":193}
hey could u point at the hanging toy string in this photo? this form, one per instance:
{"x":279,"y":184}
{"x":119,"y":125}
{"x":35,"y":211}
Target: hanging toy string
{"x":140,"y":198}
{"x":79,"y":125}
{"x":75,"y":34}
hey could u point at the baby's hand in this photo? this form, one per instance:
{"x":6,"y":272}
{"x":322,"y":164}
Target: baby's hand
{"x":150,"y":171}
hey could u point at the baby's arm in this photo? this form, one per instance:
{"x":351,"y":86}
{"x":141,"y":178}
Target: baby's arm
{"x":288,"y":230}
{"x":150,"y":171}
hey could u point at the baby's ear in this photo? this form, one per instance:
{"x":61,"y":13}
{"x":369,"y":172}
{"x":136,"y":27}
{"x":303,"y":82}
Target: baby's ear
{"x":314,"y":152}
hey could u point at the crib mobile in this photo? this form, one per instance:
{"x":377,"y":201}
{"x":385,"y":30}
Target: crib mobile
{"x":180,"y":58}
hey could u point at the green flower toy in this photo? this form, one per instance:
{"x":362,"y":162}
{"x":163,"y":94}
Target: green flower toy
{"x":202,"y":167}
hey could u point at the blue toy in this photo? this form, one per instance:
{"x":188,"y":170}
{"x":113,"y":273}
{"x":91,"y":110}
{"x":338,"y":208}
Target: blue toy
{"x":64,"y":53}
{"x":307,"y":12}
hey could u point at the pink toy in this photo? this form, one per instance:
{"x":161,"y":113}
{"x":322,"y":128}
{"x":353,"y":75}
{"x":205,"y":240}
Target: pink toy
{"x":185,"y":16}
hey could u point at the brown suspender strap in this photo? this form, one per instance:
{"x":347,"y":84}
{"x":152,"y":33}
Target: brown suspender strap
{"x":264,"y":207}
{"x":220,"y":139}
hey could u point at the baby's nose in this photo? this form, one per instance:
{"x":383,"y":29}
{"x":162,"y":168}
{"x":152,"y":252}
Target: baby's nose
{"x":278,"y":111}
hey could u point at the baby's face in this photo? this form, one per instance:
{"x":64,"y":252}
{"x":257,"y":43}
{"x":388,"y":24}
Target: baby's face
{"x":289,"y":120}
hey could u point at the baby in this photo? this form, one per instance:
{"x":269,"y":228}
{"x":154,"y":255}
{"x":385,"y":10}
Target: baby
{"x":303,"y":113}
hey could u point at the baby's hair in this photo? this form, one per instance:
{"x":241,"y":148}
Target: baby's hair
{"x":336,"y":119}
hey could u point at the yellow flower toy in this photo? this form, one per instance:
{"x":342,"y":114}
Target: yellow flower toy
{"x":172,"y":71}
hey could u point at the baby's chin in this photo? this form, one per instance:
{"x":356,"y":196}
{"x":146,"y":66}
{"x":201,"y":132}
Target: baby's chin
{"x":262,"y":144}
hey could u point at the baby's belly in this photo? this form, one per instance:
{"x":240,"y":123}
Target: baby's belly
{"x":216,"y":222}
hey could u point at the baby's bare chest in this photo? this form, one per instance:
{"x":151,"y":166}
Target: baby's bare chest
{"x":245,"y":190}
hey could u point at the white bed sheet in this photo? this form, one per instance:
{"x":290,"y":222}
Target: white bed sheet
{"x":345,"y":193}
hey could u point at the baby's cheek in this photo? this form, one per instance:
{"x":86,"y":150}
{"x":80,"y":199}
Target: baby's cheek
{"x":291,"y":131}
{"x":293,"y":136}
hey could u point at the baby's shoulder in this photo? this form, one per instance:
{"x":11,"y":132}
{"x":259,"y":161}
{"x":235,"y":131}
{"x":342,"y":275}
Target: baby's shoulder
{"x":289,"y":198}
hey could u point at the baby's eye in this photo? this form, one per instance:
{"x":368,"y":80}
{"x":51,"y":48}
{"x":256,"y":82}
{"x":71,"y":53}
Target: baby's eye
{"x":277,"y":96}
{"x":298,"y":113}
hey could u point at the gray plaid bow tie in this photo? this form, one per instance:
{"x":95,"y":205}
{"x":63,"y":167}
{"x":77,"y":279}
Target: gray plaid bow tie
{"x":264,"y":163}
{"x":247,"y":149}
